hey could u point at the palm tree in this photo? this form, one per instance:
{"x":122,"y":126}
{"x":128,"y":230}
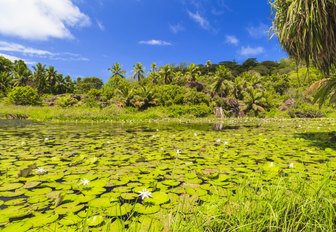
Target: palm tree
{"x":117,"y":70}
{"x":255,"y":100}
{"x":138,"y":71}
{"x":306,"y":30}
{"x":208,"y":65}
{"x":193,"y":72}
{"x":167,"y":74}
{"x":21,"y":73}
{"x":39,"y":77}
{"x":51,"y":78}
{"x":153,"y":68}
{"x":6,"y":82}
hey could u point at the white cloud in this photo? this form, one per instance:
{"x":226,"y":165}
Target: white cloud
{"x":33,"y":52}
{"x":203,"y":22}
{"x":259,"y":31}
{"x":231,"y":39}
{"x":13,"y":47}
{"x":250,"y":51}
{"x":176,"y":28}
{"x":40,"y":19}
{"x":155,"y":42}
{"x":14,"y":58}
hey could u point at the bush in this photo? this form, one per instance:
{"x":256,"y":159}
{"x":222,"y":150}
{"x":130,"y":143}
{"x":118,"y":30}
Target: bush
{"x":66,"y":101}
{"x":24,"y":96}
{"x":171,"y":94}
{"x":305,"y":113}
{"x":192,"y":97}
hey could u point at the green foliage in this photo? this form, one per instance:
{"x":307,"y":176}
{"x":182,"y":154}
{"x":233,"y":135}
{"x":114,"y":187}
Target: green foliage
{"x":201,"y":110}
{"x":66,"y":101}
{"x":84,"y":85}
{"x":24,"y":96}
{"x":171,"y":94}
{"x":192,"y":97}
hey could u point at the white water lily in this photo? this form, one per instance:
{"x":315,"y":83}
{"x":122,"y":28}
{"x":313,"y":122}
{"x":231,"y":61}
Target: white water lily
{"x":195,"y":134}
{"x":23,"y":143}
{"x":84,"y":181}
{"x":226,"y":142}
{"x":291,"y":165}
{"x":178,"y":151}
{"x":144,"y":193}
{"x":46,"y":139}
{"x":271,"y":164}
{"x":40,"y":170}
{"x":218,"y":140}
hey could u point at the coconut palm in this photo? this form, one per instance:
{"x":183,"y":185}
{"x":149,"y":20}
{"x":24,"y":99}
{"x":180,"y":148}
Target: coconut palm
{"x":254,"y":100}
{"x":117,"y":70}
{"x":167,"y":74}
{"x":138,"y":71}
{"x":21,"y":73}
{"x":153,"y":68}
{"x":306,"y":30}
{"x":51,"y":78}
{"x":39,"y":77}
{"x":192,"y":72}
{"x":6,"y":82}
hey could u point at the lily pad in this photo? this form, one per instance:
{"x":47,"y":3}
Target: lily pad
{"x":95,"y":220}
{"x":146,"y":209}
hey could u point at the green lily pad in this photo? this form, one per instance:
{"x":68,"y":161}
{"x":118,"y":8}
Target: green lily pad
{"x":29,"y":185}
{"x":172,"y":183}
{"x":41,"y":220}
{"x":158,"y":198}
{"x":129,"y":196}
{"x":100,"y":203}
{"x":117,"y":225}
{"x":70,"y":219}
{"x":10,"y":186}
{"x":17,"y":227}
{"x":37,"y":192}
{"x":117,"y":210}
{"x":95,"y":220}
{"x":68,"y":208}
{"x":146,"y":209}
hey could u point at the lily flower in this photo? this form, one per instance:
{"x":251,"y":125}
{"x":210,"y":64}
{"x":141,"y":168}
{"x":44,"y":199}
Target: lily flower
{"x":40,"y":170}
{"x":271,"y":165}
{"x":84,"y":182}
{"x":178,"y":151}
{"x":145,"y":194}
{"x":218,"y":140}
{"x":291,"y":165}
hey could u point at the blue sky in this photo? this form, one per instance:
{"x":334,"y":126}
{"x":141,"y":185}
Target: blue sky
{"x":85,"y":37}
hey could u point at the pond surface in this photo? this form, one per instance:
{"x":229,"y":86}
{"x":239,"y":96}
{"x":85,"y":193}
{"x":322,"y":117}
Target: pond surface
{"x":60,"y":174}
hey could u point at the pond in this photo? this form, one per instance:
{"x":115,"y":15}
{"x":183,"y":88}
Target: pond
{"x":130,"y":175}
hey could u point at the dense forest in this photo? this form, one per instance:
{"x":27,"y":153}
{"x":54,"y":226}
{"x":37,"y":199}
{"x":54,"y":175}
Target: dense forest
{"x":251,"y":88}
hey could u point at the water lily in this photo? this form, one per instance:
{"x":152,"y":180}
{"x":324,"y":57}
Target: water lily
{"x":40,"y":170}
{"x":291,"y":165}
{"x":226,"y":142}
{"x":145,"y":194}
{"x":178,"y":151}
{"x":271,"y":164}
{"x":84,"y":181}
{"x":218,"y":140}
{"x":195,"y":134}
{"x":23,"y":143}
{"x":46,"y":139}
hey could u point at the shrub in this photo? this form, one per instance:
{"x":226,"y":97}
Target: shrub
{"x":201,"y":110}
{"x":66,"y":101}
{"x":24,"y":96}
{"x":171,"y":94}
{"x":192,"y":97}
